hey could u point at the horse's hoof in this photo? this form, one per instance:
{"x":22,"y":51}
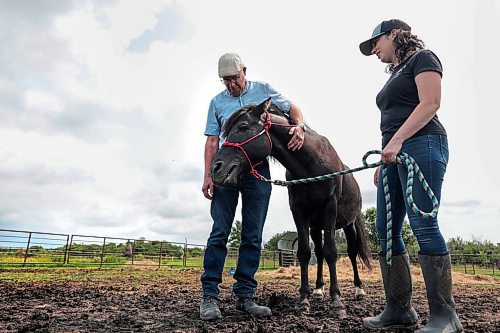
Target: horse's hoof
{"x":303,"y":305}
{"x":318,"y":293}
{"x":338,"y":313}
{"x":359,"y":293}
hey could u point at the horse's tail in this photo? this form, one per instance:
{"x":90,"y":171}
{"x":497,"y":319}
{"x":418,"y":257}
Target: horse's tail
{"x":363,"y":249}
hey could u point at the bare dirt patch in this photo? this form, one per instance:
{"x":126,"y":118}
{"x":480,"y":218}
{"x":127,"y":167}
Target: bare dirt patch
{"x":167,"y":300}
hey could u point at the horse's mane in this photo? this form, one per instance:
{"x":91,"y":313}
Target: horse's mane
{"x":233,"y":119}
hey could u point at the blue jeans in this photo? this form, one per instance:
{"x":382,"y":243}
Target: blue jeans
{"x":431,"y":154}
{"x":255,"y":196}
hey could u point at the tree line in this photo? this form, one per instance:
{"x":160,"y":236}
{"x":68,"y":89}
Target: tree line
{"x":455,"y":245}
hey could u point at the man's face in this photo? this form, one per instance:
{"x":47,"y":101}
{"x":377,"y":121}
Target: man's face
{"x":235,"y":84}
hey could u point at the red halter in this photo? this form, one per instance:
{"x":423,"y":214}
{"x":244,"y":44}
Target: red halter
{"x":239,"y":145}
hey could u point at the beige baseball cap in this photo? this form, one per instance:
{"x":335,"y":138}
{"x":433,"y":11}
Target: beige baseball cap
{"x":230,"y":64}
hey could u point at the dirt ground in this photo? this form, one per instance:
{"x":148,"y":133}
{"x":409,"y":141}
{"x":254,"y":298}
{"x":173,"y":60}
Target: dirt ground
{"x":167,"y":300}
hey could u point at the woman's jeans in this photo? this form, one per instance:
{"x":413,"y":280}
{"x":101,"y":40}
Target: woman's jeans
{"x":431,"y":154}
{"x":255,"y":196}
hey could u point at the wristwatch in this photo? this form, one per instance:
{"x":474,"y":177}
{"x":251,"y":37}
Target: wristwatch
{"x":303,"y":126}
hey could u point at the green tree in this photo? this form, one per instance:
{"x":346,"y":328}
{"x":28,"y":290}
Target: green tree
{"x":370,"y":216}
{"x":340,"y":241}
{"x":272,"y":243}
{"x":235,"y":235}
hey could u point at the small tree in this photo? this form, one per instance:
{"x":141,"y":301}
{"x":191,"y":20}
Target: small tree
{"x":235,"y":235}
{"x":272,"y":244}
{"x":370,"y":216}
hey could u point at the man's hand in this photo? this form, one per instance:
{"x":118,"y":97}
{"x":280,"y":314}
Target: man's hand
{"x":297,"y":139}
{"x":208,"y":188}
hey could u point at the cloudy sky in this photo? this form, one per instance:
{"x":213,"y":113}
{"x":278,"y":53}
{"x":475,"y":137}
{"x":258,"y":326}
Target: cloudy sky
{"x":103,"y":105}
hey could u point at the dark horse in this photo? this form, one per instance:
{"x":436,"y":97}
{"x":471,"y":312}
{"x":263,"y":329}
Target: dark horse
{"x":256,"y":131}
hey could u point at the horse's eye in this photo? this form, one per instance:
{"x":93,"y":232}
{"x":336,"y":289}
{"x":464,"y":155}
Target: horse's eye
{"x":243,"y":126}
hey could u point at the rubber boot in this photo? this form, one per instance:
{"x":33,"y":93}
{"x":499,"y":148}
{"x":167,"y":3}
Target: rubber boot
{"x":209,"y":308}
{"x":398,"y":312}
{"x":437,"y":275}
{"x":247,"y":305}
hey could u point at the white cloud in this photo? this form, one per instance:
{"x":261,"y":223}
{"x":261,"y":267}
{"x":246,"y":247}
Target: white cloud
{"x":98,"y":139}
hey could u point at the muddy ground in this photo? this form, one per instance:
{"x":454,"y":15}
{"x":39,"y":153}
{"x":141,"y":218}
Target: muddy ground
{"x":167,"y":300}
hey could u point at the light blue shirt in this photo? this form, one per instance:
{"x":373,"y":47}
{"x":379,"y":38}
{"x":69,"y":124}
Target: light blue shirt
{"x":224,"y":104}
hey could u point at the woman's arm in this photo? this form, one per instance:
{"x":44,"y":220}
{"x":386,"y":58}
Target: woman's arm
{"x":429,"y":94}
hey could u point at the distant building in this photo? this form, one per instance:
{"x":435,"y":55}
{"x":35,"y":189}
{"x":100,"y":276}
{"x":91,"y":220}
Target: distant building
{"x":287,"y":247}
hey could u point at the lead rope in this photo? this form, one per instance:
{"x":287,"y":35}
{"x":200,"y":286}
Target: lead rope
{"x":412,"y":167}
{"x":404,"y":159}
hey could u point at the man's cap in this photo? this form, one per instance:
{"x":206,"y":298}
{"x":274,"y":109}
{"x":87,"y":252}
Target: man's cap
{"x":382,"y":28}
{"x":230,"y":64}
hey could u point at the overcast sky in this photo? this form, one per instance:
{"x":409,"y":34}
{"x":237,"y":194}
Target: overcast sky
{"x":103,"y":105}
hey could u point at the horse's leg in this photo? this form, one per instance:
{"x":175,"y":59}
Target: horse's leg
{"x":317,"y":239}
{"x":330,"y":251}
{"x":304,"y":255}
{"x":337,"y":308}
{"x":352,"y":251}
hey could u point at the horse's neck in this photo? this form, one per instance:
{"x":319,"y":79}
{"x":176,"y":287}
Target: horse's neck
{"x":300,"y":163}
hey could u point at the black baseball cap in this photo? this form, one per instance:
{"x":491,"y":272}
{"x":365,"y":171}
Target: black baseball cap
{"x":382,"y":28}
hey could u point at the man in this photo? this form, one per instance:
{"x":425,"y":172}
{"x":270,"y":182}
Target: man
{"x":255,"y":193}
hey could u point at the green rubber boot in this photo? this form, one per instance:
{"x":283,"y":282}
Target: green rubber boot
{"x":437,"y":276}
{"x":398,"y":312}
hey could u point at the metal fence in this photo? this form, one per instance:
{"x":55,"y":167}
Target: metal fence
{"x":29,"y":249}
{"x":34,"y":249}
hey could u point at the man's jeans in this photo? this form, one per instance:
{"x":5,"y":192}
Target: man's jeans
{"x":255,"y":196}
{"x":431,"y":154}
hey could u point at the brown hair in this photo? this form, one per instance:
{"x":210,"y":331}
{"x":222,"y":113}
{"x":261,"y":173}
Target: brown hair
{"x":404,"y":42}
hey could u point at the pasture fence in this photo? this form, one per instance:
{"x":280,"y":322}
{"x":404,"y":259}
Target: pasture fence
{"x":19,"y":248}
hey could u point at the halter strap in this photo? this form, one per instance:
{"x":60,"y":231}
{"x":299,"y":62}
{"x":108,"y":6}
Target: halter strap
{"x":267,"y":125}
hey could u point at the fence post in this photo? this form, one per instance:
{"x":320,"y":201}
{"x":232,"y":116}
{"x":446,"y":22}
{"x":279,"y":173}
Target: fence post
{"x":66,"y":249}
{"x":69,"y":250}
{"x":184,"y":256}
{"x":27,"y":250}
{"x":102,"y":251}
{"x":133,"y":252}
{"x":494,"y":263}
{"x":465,"y":264}
{"x":161,"y":248}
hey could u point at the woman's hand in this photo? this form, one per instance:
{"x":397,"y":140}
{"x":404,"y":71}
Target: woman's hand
{"x":390,"y":151}
{"x":375,"y":176}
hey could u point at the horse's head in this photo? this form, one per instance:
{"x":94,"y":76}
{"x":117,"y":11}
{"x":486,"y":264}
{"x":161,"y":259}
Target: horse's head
{"x":246,"y":144}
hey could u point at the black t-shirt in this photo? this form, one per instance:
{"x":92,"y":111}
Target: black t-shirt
{"x":399,"y":96}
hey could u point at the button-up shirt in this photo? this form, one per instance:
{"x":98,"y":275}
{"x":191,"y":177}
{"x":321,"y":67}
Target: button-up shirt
{"x":224,"y":104}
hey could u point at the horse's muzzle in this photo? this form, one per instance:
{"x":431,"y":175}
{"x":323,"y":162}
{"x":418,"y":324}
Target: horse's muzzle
{"x":225,"y":174}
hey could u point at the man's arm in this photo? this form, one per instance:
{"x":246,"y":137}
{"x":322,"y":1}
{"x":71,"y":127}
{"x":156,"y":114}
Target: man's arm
{"x":297,"y":132}
{"x":211,"y":147}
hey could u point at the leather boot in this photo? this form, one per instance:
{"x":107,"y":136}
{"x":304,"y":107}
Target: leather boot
{"x":437,"y":275}
{"x":209,"y":308}
{"x":247,"y":305}
{"x":398,"y":312}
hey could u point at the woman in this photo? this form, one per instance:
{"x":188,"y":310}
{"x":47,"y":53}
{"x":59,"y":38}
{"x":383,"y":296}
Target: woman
{"x":408,"y":103}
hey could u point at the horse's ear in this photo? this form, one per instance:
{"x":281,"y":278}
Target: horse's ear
{"x":265,"y":105}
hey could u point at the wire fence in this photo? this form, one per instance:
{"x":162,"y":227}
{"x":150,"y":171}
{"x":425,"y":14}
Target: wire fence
{"x":20,"y":248}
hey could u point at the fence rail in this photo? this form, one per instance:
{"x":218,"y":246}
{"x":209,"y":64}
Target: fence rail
{"x":20,"y":248}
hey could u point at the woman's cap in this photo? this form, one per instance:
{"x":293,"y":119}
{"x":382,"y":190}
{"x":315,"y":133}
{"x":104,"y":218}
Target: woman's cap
{"x":382,"y":28}
{"x":230,"y":64}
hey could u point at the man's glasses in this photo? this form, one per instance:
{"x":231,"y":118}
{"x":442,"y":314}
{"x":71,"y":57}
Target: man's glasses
{"x":228,"y":79}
